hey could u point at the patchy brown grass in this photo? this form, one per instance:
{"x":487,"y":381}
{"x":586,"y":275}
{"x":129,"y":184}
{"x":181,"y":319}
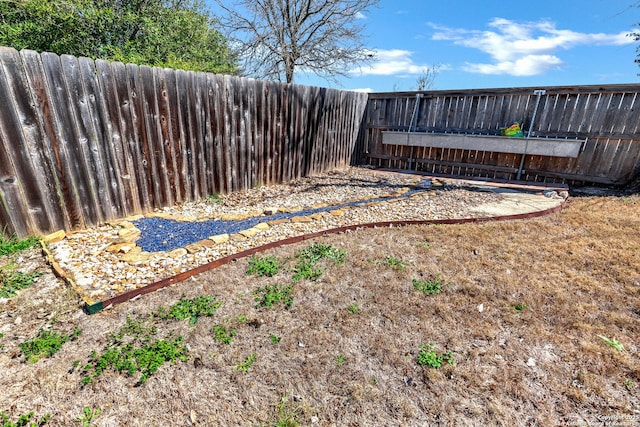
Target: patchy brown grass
{"x":573,"y":276}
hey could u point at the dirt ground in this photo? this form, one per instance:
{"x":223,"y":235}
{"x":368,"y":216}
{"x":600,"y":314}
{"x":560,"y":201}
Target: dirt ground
{"x":521,"y":313}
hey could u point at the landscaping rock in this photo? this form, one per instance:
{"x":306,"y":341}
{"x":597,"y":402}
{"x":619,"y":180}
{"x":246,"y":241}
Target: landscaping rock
{"x":299,"y":219}
{"x":110,"y":259}
{"x":220,"y":239}
{"x":54,"y":237}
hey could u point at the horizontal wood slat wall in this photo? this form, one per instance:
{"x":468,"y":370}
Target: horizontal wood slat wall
{"x":608,"y":117}
{"x":83,"y":141}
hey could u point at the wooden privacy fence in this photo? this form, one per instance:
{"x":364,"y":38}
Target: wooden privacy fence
{"x":584,"y":134}
{"x":83,"y":142}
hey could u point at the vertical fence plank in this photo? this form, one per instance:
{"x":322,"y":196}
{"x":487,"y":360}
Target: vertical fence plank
{"x":55,"y":148}
{"x":216,"y":158}
{"x":119,"y":175}
{"x":138,"y":139}
{"x":200,"y":130}
{"x":95,"y":116}
{"x":276,"y":133}
{"x":182,"y":134}
{"x":231,"y":138}
{"x":195,"y":124}
{"x":158,"y":179}
{"x":207,"y":125}
{"x":14,"y":176}
{"x":315,"y":131}
{"x":271,"y":124}
{"x":258,"y":129}
{"x":127,"y":137}
{"x":169,"y":108}
{"x":254,"y":94}
{"x":79,"y":197}
{"x":27,"y":184}
{"x":165,"y":92}
{"x":243,"y":144}
{"x":78,"y":119}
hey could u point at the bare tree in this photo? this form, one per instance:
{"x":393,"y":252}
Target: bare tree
{"x":426,"y":80}
{"x":277,"y":37}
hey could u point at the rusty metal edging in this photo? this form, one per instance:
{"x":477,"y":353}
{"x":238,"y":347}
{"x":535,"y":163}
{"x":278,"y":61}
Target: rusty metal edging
{"x":163,"y":283}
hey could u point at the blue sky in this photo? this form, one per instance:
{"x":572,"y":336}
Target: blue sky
{"x":490,"y":43}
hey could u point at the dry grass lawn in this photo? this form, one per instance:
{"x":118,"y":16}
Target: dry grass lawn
{"x":521,"y":312}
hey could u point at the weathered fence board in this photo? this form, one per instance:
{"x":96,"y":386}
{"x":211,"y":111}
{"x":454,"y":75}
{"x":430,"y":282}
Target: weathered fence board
{"x":604,"y":117}
{"x":83,"y":141}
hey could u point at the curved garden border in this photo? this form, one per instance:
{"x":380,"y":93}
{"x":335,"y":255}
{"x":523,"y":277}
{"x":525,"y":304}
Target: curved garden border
{"x":96,"y":307}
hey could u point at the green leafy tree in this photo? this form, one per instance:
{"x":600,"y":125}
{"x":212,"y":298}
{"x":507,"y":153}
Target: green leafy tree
{"x":167,"y":33}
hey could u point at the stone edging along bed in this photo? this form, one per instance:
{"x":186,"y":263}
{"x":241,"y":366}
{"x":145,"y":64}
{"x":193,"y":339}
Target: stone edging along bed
{"x":301,"y":224}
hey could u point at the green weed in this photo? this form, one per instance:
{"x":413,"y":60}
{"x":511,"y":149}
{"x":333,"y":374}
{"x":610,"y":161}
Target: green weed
{"x":137,"y":329}
{"x":191,"y":309}
{"x":247,"y":364}
{"x":353,"y":309}
{"x":13,"y":281}
{"x":134,"y":349}
{"x":340,"y":359}
{"x":223,"y":334}
{"x":88,"y":415}
{"x":45,"y":344}
{"x":12,"y":244}
{"x":395,"y":263}
{"x":131,"y":360}
{"x":306,"y":270}
{"x":25,"y":420}
{"x":424,"y":245}
{"x":215,"y":198}
{"x":264,"y":266}
{"x":613,"y":343}
{"x":429,"y":357}
{"x":520,"y":307}
{"x":274,"y":339}
{"x":628,"y":384}
{"x":285,"y":416}
{"x":272,"y":295}
{"x":429,"y":287}
{"x":308,"y":258}
{"x":318,"y":251}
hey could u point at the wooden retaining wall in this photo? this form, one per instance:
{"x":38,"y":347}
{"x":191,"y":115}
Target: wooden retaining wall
{"x":606,"y":117}
{"x":83,"y":142}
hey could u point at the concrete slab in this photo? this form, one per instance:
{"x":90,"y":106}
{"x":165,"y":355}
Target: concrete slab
{"x":517,"y":197}
{"x":518,"y":202}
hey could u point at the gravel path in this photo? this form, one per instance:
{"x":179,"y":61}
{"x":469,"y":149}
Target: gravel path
{"x":106,"y":261}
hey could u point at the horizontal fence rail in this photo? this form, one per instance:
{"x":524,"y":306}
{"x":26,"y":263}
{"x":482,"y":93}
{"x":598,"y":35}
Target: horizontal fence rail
{"x":604,"y":119}
{"x":83,"y":142}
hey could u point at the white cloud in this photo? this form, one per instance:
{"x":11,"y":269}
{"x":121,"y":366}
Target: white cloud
{"x":360,"y":15}
{"x":529,"y":65}
{"x":523,"y":49}
{"x":392,"y":62}
{"x":362,"y":89}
